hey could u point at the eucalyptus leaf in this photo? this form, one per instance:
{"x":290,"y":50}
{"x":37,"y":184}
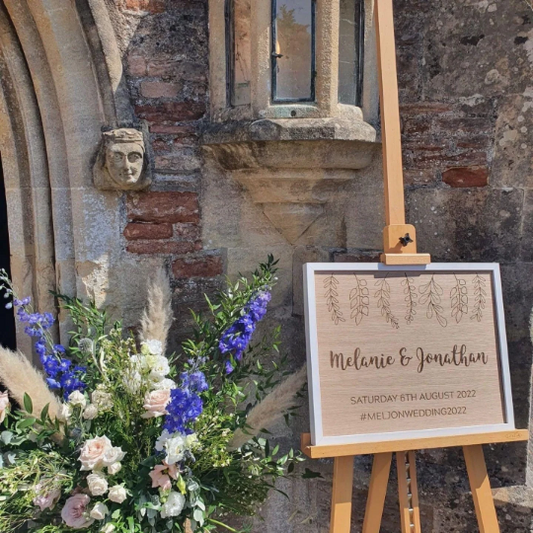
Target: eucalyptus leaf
{"x":28,"y":404}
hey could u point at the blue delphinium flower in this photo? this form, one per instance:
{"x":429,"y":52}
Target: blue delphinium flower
{"x":58,"y":369}
{"x":236,"y":338}
{"x":185,"y":404}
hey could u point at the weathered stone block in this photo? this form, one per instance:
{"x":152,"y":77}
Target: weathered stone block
{"x":207,"y":266}
{"x":159,"y":89}
{"x":163,"y":247}
{"x":164,"y":207}
{"x":171,"y":111}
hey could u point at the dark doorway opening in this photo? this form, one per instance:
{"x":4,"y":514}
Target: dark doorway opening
{"x":7,"y":320}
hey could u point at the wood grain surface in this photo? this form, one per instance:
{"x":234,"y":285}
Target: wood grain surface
{"x":442,"y":323}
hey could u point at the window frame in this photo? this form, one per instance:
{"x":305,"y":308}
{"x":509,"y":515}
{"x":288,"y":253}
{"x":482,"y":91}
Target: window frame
{"x":274,"y":58}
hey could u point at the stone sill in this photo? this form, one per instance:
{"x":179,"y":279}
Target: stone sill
{"x":312,"y":143}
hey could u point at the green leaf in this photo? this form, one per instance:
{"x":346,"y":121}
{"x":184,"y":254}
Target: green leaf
{"x":6,"y":436}
{"x":115,"y":514}
{"x":44,"y":412}
{"x":309,"y":474}
{"x":26,"y":423}
{"x":28,"y":404}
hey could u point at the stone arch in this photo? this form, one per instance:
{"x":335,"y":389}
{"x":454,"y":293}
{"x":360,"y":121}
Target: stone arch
{"x":60,"y":83}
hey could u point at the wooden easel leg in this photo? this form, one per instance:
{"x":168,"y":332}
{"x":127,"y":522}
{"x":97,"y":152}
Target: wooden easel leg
{"x":376,"y":492}
{"x":480,"y":485}
{"x":408,"y":492}
{"x":341,"y":501}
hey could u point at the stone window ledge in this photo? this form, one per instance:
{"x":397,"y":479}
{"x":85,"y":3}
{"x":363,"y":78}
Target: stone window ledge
{"x":306,"y":143}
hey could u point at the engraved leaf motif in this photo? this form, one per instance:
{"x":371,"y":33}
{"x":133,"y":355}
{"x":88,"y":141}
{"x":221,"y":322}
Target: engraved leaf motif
{"x":331,"y":294}
{"x":430,"y":295}
{"x":480,"y":297}
{"x":383,"y":301}
{"x":359,"y":300}
{"x":459,"y":299}
{"x":410,"y":298}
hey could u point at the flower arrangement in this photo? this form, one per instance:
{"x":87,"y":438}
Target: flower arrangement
{"x":117,"y":437}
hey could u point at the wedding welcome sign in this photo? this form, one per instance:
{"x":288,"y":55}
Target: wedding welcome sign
{"x":405,"y":352}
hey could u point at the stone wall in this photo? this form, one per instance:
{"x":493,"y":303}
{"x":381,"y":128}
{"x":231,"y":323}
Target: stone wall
{"x":467,"y":103}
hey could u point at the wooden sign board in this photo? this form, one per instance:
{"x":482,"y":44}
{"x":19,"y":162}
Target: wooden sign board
{"x":405,"y":352}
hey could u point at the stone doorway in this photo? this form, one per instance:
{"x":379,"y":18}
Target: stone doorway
{"x":7,"y":322}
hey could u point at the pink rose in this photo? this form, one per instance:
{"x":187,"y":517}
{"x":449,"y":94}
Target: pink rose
{"x":4,"y":404}
{"x":75,"y":513}
{"x":45,"y":498}
{"x":93,"y":453}
{"x":155,"y":403}
{"x":161,"y":475}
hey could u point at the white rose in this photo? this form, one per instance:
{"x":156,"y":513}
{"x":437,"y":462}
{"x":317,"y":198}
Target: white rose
{"x":108,"y":528}
{"x":159,"y":368}
{"x":153,"y":347}
{"x":117,"y":494}
{"x":97,"y":484}
{"x":77,"y":398}
{"x":113,"y":469}
{"x":174,"y":505}
{"x":99,"y":511}
{"x":90,"y":412}
{"x":93,"y":452}
{"x":64,"y":413}
{"x":113,"y":455}
{"x":102,"y":399}
{"x":163,"y":384}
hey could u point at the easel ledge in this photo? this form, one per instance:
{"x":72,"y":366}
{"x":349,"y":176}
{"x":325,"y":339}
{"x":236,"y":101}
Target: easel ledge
{"x":363,"y":448}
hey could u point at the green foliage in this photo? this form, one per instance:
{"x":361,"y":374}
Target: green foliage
{"x":40,"y":453}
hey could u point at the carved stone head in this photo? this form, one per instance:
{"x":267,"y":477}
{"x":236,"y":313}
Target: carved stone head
{"x":121,"y":163}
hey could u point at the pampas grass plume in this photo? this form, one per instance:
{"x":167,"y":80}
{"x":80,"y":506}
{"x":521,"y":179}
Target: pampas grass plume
{"x":270,"y":409}
{"x":19,"y":376}
{"x":157,"y":315}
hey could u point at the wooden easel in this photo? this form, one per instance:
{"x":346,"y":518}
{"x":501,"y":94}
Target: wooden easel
{"x":400,"y":248}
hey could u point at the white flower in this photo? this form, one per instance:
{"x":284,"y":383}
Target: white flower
{"x":153,"y":347}
{"x":102,"y":399}
{"x":99,"y":511}
{"x":93,"y":452}
{"x":97,"y":484}
{"x":65,"y":412}
{"x":90,"y":412}
{"x":132,"y":381}
{"x":175,"y":445}
{"x":77,"y":398}
{"x":117,"y":494}
{"x":113,"y":455}
{"x":174,"y":505}
{"x":108,"y":528}
{"x":113,"y":469}
{"x":164,"y":384}
{"x":159,"y":368}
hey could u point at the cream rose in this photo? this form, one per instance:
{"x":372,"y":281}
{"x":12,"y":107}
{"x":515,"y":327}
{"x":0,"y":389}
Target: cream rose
{"x":75,"y":514}
{"x":77,"y":398}
{"x":4,"y":404}
{"x":97,"y":484}
{"x":117,"y":494}
{"x":99,"y":511}
{"x":93,"y":452}
{"x":155,"y":403}
{"x":113,"y":469}
{"x":113,"y":455}
{"x":90,"y":412}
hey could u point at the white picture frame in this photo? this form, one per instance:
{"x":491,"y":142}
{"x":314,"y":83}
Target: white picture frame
{"x":314,"y":384}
